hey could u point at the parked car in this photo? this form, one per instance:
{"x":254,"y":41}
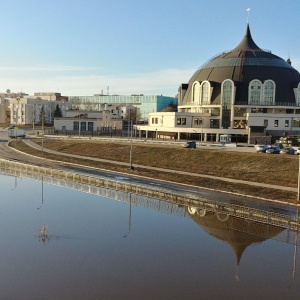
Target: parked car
{"x":287,"y":150}
{"x":190,"y":144}
{"x":298,"y":151}
{"x":261,"y":148}
{"x":273,"y":150}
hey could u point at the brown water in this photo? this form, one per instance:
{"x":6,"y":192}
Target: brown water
{"x":63,"y":244}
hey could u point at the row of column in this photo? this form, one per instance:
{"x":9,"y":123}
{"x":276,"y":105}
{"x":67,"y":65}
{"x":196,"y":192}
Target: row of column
{"x":155,"y":135}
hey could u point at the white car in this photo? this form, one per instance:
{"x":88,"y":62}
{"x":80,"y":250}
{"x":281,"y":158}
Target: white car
{"x":297,"y":151}
{"x":261,"y":148}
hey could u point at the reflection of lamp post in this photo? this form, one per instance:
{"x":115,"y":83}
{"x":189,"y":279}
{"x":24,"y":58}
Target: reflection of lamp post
{"x":129,"y":221}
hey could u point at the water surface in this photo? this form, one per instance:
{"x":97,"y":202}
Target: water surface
{"x":98,"y":248}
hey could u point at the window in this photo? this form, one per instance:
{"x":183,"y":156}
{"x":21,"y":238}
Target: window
{"x":276,"y":123}
{"x":286,"y":123}
{"x":240,"y":112}
{"x":296,"y":123}
{"x":75,"y":125}
{"x":239,"y":124}
{"x":197,"y":121}
{"x":215,"y":112}
{"x":214,"y":123}
{"x":83,"y":126}
{"x":254,"y":92}
{"x":90,"y":126}
{"x":196,"y":93}
{"x":266,"y":123}
{"x":156,"y":120}
{"x":205,"y":93}
{"x":269,"y":89}
{"x":181,"y":121}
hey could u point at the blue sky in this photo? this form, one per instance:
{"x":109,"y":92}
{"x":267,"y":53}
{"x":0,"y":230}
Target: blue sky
{"x":80,"y":47}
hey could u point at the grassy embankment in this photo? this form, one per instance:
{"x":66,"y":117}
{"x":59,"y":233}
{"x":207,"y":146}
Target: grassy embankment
{"x":272,"y":169}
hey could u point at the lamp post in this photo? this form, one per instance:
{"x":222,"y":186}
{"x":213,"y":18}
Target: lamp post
{"x":201,"y":123}
{"x":130,"y":156}
{"x":79,"y":125}
{"x":33,"y":117}
{"x":43,"y":133}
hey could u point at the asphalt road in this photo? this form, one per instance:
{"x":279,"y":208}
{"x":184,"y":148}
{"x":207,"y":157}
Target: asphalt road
{"x":10,"y":154}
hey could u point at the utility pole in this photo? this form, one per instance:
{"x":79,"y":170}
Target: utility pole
{"x":131,"y":167}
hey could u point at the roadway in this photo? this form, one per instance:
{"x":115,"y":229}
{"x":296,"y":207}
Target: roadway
{"x":10,"y":154}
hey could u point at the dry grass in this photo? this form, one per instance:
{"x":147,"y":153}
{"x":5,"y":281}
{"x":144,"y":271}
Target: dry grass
{"x":273,"y":169}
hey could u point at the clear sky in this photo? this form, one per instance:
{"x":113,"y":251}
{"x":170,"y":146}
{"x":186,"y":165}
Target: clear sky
{"x":80,"y":47}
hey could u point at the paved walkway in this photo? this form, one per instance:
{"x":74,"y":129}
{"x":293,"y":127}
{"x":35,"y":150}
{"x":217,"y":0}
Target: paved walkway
{"x":229,"y":180}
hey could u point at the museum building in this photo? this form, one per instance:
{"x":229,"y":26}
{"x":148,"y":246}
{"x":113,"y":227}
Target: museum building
{"x":248,"y":93}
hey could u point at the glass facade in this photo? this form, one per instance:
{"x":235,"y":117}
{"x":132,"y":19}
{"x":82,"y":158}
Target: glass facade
{"x":145,"y":103}
{"x":227,"y":90}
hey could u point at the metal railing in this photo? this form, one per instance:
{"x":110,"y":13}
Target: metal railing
{"x":154,"y":198}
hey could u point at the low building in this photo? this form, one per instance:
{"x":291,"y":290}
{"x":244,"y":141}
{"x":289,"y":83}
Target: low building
{"x":88,"y":121}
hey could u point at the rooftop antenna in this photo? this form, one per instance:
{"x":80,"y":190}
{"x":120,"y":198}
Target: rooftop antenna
{"x":248,"y":15}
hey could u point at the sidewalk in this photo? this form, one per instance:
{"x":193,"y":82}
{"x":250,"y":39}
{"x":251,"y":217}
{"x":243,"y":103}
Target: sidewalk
{"x":229,"y":180}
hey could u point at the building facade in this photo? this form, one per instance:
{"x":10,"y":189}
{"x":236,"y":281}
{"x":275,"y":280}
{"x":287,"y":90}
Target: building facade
{"x":145,"y":104}
{"x":88,"y":121}
{"x":246,"y":92}
{"x":24,"y":111}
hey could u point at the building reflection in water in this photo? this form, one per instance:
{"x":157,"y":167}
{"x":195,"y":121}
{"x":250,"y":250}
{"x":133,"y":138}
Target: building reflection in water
{"x":238,"y":233}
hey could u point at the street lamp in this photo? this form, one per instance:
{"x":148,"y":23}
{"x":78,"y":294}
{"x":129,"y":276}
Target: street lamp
{"x":131,"y":167}
{"x":33,"y":117}
{"x":43,"y":133}
{"x":201,"y":123}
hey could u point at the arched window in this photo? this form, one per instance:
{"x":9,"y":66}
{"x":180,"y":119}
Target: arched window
{"x":205,"y":93}
{"x":227,"y":98}
{"x":269,"y":92}
{"x":254,"y":92}
{"x":196,"y":93}
{"x":298,"y":95}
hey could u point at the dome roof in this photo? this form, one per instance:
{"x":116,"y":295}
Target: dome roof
{"x":245,"y":63}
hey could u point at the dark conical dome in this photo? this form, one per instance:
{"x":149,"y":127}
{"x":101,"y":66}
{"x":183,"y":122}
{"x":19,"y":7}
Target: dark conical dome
{"x":247,"y":43}
{"x":243,"y":64}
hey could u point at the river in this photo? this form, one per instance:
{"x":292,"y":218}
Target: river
{"x":70,"y":243}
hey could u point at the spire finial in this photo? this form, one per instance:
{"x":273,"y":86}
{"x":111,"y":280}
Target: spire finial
{"x":248,"y":15}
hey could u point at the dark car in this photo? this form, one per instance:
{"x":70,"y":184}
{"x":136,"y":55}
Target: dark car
{"x":190,"y":144}
{"x":287,"y":150}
